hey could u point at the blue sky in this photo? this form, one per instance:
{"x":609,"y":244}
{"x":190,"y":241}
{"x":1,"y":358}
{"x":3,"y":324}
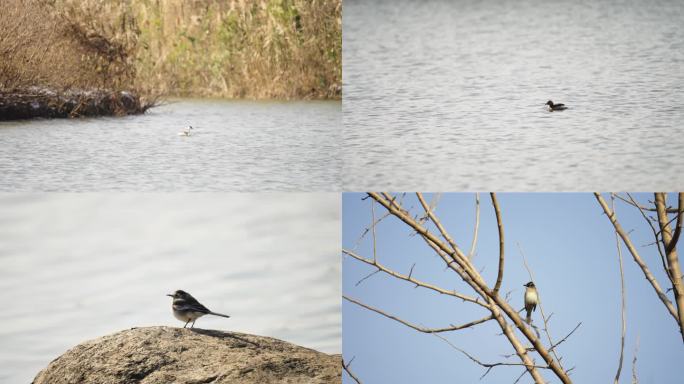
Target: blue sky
{"x":570,"y":247}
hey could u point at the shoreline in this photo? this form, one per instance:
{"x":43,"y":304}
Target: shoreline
{"x":35,"y":102}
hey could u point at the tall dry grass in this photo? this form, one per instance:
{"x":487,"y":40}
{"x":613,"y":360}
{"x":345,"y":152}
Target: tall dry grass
{"x":255,"y":49}
{"x":225,"y":48}
{"x":34,"y":50}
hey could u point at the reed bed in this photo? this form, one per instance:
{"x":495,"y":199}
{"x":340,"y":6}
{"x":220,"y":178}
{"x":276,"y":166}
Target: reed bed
{"x":283,"y":49}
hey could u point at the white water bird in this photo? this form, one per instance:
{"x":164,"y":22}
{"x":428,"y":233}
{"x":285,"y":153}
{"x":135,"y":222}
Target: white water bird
{"x":186,"y":131}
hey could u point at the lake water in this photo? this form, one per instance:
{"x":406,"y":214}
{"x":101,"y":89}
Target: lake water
{"x":79,"y":266}
{"x":449,"y":95}
{"x":235,"y":146}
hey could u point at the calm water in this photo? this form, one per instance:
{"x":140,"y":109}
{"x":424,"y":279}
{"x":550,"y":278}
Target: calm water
{"x":236,"y":146}
{"x":79,"y":266}
{"x":449,"y":95}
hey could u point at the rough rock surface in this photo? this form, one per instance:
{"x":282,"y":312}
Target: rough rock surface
{"x":177,"y":355}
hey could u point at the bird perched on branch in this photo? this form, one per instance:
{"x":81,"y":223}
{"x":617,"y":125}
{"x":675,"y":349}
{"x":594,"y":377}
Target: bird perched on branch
{"x":187,"y":308}
{"x":531,"y":300}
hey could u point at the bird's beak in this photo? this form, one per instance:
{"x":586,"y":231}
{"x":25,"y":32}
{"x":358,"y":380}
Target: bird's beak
{"x":168,"y":294}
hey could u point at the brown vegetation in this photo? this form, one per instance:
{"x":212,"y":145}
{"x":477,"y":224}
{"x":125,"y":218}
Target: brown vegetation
{"x":230,"y":48}
{"x":36,"y":49}
{"x":51,"y":66}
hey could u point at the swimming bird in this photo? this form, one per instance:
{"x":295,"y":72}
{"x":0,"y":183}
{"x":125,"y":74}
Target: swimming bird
{"x":555,"y":107}
{"x":187,"y":308}
{"x":186,"y":131}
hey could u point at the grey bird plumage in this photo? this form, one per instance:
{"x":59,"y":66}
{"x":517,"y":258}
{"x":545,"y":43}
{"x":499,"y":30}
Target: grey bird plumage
{"x":187,"y":308}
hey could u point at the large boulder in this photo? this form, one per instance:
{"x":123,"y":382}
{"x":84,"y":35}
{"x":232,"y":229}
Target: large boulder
{"x":178,"y":355}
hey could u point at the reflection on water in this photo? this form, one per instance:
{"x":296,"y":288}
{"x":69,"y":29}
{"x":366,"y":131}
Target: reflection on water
{"x":76,"y":267}
{"x":235,"y":146}
{"x":443,"y":95}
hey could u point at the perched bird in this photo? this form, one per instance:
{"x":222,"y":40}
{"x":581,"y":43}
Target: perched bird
{"x":555,"y":107}
{"x":531,"y":300}
{"x":186,"y":131}
{"x":187,"y":308}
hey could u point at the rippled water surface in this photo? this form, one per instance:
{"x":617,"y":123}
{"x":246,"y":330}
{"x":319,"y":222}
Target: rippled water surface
{"x":449,"y":95}
{"x":236,"y":146}
{"x":75,"y":267}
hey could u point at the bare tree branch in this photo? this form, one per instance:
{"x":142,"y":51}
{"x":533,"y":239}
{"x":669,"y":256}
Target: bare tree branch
{"x":497,"y":211}
{"x":671,"y":253}
{"x":541,"y":308}
{"x":368,"y":229}
{"x":415,"y":281}
{"x":678,"y":227}
{"x":656,"y":235}
{"x":375,"y":256}
{"x":520,"y":377}
{"x":437,"y":223}
{"x":565,"y":338}
{"x":622,"y":291}
{"x":418,"y":327}
{"x":475,"y":280}
{"x":349,"y":372}
{"x":366,"y":277}
{"x":635,"y":380}
{"x":641,"y":207}
{"x":489,"y":366}
{"x":471,"y":254}
{"x":637,"y":257}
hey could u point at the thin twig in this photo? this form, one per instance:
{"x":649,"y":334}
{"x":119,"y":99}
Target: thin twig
{"x":565,"y":338}
{"x":637,"y":257}
{"x":367,"y":230}
{"x":499,"y":223}
{"x":488,"y":365}
{"x":622,"y":291}
{"x":366,"y":277}
{"x":349,"y":372}
{"x":541,"y":308}
{"x":375,"y":257}
{"x":635,"y":204}
{"x":520,"y":377}
{"x":656,"y":234}
{"x":437,"y":223}
{"x":415,"y":281}
{"x":635,"y":380}
{"x":418,"y":327}
{"x":471,"y":254}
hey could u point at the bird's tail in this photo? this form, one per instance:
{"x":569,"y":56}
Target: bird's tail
{"x":528,"y":319}
{"x":218,"y":314}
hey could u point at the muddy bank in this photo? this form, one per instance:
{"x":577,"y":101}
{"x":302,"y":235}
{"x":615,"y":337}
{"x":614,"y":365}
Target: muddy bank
{"x":29,"y":103}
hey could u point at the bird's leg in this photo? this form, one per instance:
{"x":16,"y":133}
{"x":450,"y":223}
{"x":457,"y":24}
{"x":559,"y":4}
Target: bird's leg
{"x":186,"y":324}
{"x":193,"y":324}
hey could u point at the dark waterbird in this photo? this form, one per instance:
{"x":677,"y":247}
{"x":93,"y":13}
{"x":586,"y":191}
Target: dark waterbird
{"x":555,"y":107}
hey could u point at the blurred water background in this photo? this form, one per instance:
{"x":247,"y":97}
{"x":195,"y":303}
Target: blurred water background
{"x":75,"y":267}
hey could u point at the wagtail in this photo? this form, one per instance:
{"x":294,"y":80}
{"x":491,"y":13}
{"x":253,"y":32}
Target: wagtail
{"x":187,"y":308}
{"x":531,"y":300}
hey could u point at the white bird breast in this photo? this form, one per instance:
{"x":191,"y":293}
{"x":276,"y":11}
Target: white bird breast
{"x":530,"y":297}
